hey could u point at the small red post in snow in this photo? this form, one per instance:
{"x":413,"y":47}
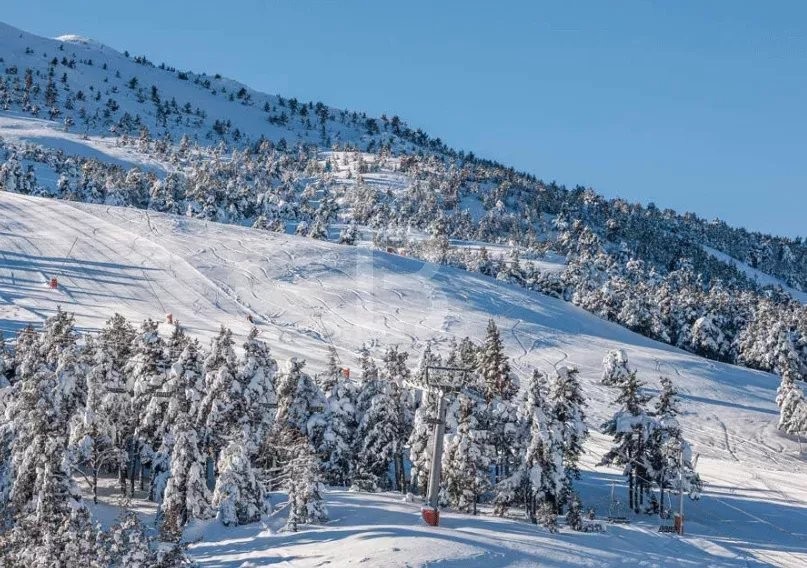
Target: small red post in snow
{"x":54,"y":283}
{"x":346,"y":373}
{"x":169,"y":318}
{"x":430,"y":515}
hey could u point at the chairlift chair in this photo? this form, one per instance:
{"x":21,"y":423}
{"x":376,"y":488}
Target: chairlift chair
{"x":617,"y":512}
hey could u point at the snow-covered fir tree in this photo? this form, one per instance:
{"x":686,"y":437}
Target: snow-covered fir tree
{"x":567,"y":415}
{"x":146,"y":372}
{"x":544,"y":458}
{"x":671,"y":461}
{"x":50,"y":523}
{"x":257,"y":372}
{"x":128,"y":544}
{"x":466,"y":458}
{"x":223,"y":405}
{"x":72,"y":540}
{"x":378,"y":436}
{"x":302,"y":481}
{"x":615,"y":368}
{"x":338,"y":437}
{"x":186,"y":494}
{"x":333,"y":371}
{"x":238,"y":497}
{"x":499,"y":387}
{"x":632,"y":428}
{"x":300,"y":403}
{"x":539,"y":478}
{"x":184,"y":386}
{"x":494,"y":367}
{"x":38,"y":474}
{"x":95,"y":438}
{"x":395,"y":375}
{"x":789,"y":396}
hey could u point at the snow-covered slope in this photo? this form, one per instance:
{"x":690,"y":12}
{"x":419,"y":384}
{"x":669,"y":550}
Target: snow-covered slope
{"x":97,"y":87}
{"x":757,"y":526}
{"x":306,"y":294}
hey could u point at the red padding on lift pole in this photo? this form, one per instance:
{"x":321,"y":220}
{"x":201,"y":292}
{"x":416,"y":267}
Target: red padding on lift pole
{"x":431,"y":516}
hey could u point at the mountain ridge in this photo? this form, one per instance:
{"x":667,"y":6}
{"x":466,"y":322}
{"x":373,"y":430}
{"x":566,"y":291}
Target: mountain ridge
{"x":289,"y":166}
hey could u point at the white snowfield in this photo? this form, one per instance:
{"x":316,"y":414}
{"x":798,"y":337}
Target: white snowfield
{"x":101,"y":69}
{"x":305,"y":295}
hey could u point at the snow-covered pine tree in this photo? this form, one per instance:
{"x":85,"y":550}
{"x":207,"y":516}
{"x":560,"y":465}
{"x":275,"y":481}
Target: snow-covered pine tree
{"x":257,"y":372}
{"x":707,"y":338}
{"x":574,"y":515}
{"x":467,"y":356}
{"x":184,"y":387}
{"x":59,"y":541}
{"x":395,"y":373}
{"x":500,"y":419}
{"x":547,"y":517}
{"x":671,"y":457}
{"x":333,"y":371}
{"x":338,"y":438}
{"x":26,"y":350}
{"x":349,"y":234}
{"x":238,"y":496}
{"x":494,"y":367}
{"x":186,"y":493}
{"x":631,"y":427}
{"x":499,"y":387}
{"x":185,"y":383}
{"x":58,"y":336}
{"x":38,"y":472}
{"x":127,"y":543}
{"x":378,"y":436}
{"x":539,"y":478}
{"x":176,"y":342}
{"x":302,"y":481}
{"x":145,"y":373}
{"x":567,"y":415}
{"x":545,"y":451}
{"x":300,"y":403}
{"x":615,"y":368}
{"x":95,"y":439}
{"x":113,"y":349}
{"x":222,"y":407}
{"x":466,"y":458}
{"x":789,"y":397}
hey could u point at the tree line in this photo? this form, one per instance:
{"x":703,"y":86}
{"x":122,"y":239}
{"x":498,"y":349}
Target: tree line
{"x":207,"y":432}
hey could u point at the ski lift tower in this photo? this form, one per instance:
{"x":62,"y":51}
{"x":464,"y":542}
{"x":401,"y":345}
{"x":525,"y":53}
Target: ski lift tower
{"x":440,"y":381}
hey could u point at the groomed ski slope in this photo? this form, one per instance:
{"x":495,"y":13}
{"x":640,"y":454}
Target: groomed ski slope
{"x":305,"y":295}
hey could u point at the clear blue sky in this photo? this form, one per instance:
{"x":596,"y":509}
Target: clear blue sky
{"x":694,"y":105}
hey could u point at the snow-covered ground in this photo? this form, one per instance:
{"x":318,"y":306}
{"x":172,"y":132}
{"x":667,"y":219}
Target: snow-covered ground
{"x":742,"y":520}
{"x":97,"y":70}
{"x":305,"y":295}
{"x":19,"y":128}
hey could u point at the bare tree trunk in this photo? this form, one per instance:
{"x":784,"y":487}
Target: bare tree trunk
{"x":630,"y":488}
{"x":400,"y":474}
